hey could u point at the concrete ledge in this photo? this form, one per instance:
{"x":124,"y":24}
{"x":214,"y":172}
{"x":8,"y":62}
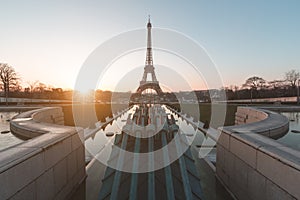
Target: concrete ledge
{"x":48,"y":166}
{"x":253,"y":166}
{"x":28,"y":124}
{"x":260,"y":121}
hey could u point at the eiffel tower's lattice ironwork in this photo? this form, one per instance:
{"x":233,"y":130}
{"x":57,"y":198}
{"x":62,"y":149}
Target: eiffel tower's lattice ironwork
{"x":149,"y":68}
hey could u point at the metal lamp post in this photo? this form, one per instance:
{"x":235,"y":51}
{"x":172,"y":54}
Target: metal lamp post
{"x":298,"y":99}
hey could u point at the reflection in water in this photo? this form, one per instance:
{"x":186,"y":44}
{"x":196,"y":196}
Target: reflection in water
{"x":150,"y":149}
{"x":101,"y":143}
{"x":292,"y":138}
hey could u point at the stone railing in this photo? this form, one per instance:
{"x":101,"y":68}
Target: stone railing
{"x":50,"y":166}
{"x":253,"y":166}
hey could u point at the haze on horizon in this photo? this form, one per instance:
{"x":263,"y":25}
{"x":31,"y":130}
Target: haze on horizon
{"x":49,"y":41}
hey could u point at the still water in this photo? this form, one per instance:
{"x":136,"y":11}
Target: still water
{"x":7,"y":139}
{"x":100,"y":144}
{"x":292,"y":138}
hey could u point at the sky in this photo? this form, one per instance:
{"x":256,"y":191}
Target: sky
{"x":49,"y":41}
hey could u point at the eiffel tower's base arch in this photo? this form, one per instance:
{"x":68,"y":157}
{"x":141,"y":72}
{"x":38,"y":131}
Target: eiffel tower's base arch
{"x":153,"y":86}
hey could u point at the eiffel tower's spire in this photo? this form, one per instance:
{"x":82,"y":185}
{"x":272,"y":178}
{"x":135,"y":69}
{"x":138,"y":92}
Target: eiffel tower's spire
{"x":149,"y":68}
{"x":149,"y":59}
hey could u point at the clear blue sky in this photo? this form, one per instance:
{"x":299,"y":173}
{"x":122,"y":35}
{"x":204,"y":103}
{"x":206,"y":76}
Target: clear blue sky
{"x":50,"y":40}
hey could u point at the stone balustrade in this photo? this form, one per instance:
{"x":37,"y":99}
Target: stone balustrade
{"x":51,"y":165}
{"x":253,"y":166}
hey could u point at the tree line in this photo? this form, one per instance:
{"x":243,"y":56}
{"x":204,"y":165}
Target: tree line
{"x":254,"y":87}
{"x":258,"y":87}
{"x":11,"y":86}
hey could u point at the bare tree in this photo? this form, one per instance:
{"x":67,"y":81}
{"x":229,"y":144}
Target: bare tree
{"x":255,"y":83}
{"x":277,"y":84}
{"x":32,"y":85}
{"x":8,"y":78}
{"x":292,"y":76}
{"x":41,"y":87}
{"x":17,"y":87}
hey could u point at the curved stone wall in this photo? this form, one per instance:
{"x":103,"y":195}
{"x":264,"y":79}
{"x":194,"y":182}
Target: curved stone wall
{"x":28,"y":124}
{"x":253,"y":166}
{"x":50,"y":165}
{"x":246,"y":115}
{"x":263,"y":122}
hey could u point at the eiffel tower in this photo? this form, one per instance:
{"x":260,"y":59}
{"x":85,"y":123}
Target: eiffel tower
{"x":149,"y":68}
